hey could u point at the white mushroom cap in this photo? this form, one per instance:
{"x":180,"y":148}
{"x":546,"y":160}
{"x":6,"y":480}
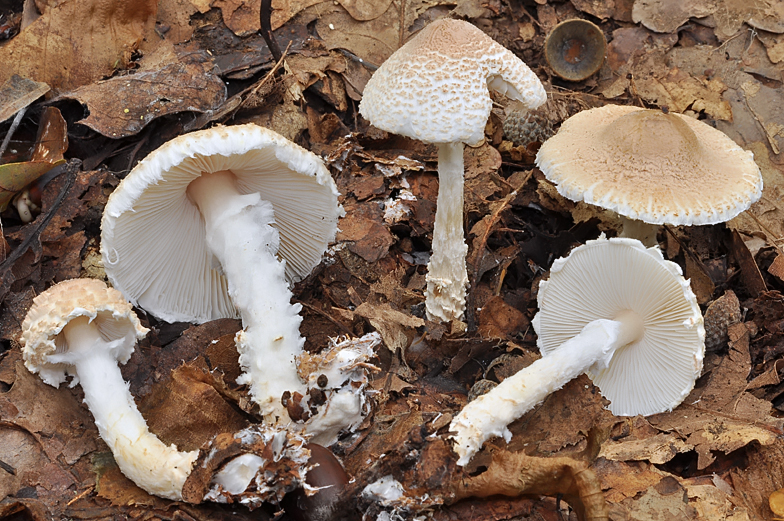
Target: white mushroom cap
{"x":103,"y":306}
{"x":603,"y":279}
{"x":435,"y":87}
{"x":152,"y":236}
{"x":647,"y":165}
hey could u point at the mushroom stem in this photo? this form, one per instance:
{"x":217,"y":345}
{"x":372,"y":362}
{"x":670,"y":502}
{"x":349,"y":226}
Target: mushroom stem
{"x":640,"y":230}
{"x":489,"y":415}
{"x":141,"y":456}
{"x":241,"y":236}
{"x":447,"y":277}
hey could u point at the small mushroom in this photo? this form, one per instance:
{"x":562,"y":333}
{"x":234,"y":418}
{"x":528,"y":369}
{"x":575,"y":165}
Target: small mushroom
{"x":616,"y":311}
{"x":435,"y":88}
{"x":214,"y":224}
{"x":575,"y":49}
{"x":82,"y":328}
{"x":651,"y":168}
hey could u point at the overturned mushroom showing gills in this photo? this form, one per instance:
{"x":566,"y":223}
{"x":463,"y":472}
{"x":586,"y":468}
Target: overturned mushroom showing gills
{"x":616,"y":311}
{"x":650,"y":167}
{"x":436,"y":89}
{"x":82,"y":328}
{"x":213,"y":224}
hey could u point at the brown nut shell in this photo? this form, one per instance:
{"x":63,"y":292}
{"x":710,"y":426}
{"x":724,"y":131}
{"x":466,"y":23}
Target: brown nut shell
{"x":575,"y":49}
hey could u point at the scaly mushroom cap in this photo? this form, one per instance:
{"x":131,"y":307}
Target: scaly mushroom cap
{"x":601,"y":280}
{"x":647,"y":165}
{"x":63,"y":302}
{"x":435,"y":87}
{"x":152,"y":235}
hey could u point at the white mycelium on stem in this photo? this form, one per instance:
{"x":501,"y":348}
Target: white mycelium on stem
{"x":241,"y":236}
{"x":616,"y":311}
{"x":447,"y":277}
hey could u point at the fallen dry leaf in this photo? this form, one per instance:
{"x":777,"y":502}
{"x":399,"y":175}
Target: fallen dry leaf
{"x":17,"y":93}
{"x":79,"y":41}
{"x":122,"y":106}
{"x":660,"y":448}
{"x":664,"y":16}
{"x":722,"y":416}
{"x":392,"y":324}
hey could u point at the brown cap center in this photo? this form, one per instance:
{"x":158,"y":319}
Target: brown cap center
{"x":651,"y":134}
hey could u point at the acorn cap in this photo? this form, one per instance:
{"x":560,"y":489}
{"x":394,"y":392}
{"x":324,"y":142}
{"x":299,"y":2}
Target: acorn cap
{"x":604,"y":279}
{"x":153,"y":237}
{"x":435,"y":87}
{"x":652,"y":166}
{"x":575,"y":49}
{"x":63,"y":302}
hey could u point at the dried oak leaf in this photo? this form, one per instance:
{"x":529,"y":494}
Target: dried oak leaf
{"x":497,"y":319}
{"x":362,"y":228}
{"x":76,"y":42}
{"x":122,"y":106}
{"x":722,"y":415}
{"x":660,"y":448}
{"x":17,"y":93}
{"x":664,"y":16}
{"x":186,"y":410}
{"x":395,"y":327}
{"x":242,"y":16}
{"x":44,"y":432}
{"x":624,"y":479}
{"x":763,"y":475}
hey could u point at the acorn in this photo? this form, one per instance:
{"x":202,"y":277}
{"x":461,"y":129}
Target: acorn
{"x":329,"y":477}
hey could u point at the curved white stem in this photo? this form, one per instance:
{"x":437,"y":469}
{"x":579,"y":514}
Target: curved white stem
{"x":241,"y":237}
{"x":141,"y":456}
{"x":489,"y":415}
{"x":447,"y":277}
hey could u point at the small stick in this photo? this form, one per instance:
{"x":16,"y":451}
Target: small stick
{"x":14,"y":126}
{"x":266,"y":29}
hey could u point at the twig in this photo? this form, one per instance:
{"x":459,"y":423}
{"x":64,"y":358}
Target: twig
{"x":8,"y":468}
{"x":14,"y":126}
{"x":266,"y":29}
{"x":81,"y":495}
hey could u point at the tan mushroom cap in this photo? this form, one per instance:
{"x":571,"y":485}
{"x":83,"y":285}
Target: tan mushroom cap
{"x":647,"y":165}
{"x":435,"y":87}
{"x":63,"y":302}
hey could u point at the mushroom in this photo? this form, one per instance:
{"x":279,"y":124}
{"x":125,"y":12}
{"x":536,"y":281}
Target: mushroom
{"x":616,"y":311}
{"x":82,"y":328}
{"x":651,"y":167}
{"x":213,"y":224}
{"x":435,"y":89}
